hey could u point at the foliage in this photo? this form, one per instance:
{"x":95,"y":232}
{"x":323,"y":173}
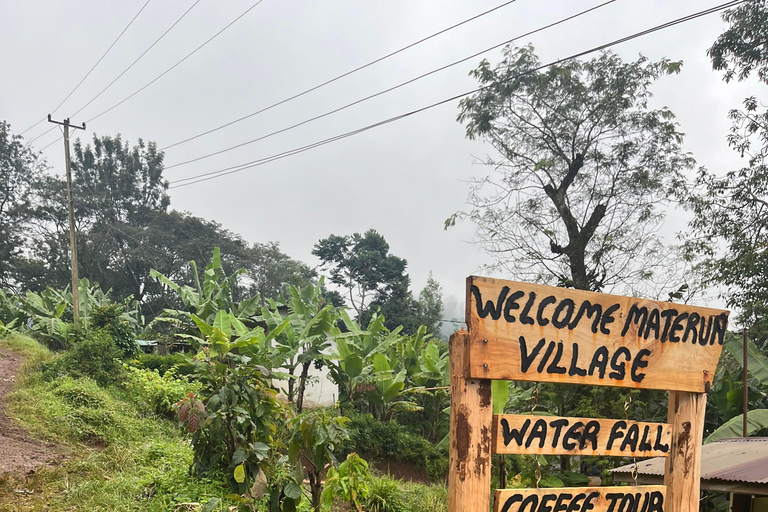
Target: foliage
{"x":385,"y":495}
{"x":305,"y":338}
{"x":155,"y":393}
{"x":583,"y":164}
{"x":110,"y":317}
{"x":756,"y":420}
{"x":94,"y":356}
{"x":162,"y":364}
{"x":315,"y":437}
{"x":350,"y":482}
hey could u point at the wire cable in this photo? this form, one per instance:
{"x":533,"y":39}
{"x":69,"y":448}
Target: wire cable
{"x":339,"y":77}
{"x":390,"y":89}
{"x":91,"y":70}
{"x":158,"y":77}
{"x":255,"y":163}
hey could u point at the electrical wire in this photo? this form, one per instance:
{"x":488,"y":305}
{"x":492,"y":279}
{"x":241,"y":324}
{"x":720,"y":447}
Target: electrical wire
{"x":91,"y":70}
{"x":255,"y":163}
{"x":339,"y":77}
{"x":390,"y":89}
{"x":158,"y":77}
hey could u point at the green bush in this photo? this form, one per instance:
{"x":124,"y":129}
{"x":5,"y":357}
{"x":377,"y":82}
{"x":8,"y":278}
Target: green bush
{"x":109,"y":317}
{"x":385,"y":495}
{"x":162,"y":364}
{"x":157,"y":394}
{"x":93,"y":355}
{"x":86,"y":411}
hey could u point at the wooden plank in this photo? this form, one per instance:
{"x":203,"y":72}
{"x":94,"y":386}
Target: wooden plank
{"x":548,"y":435}
{"x":469,"y":455}
{"x":683,"y":471}
{"x":648,"y":498}
{"x":521,"y":331}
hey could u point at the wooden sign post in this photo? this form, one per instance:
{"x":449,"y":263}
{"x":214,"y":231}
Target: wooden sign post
{"x":527,"y":332}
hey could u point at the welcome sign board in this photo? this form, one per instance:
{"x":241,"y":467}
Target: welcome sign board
{"x":529,"y":332}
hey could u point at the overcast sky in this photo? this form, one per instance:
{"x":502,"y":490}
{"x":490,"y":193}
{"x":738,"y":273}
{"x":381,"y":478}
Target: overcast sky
{"x":403,"y":179}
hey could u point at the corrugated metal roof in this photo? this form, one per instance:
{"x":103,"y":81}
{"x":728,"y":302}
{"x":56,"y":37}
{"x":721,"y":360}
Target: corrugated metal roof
{"x":736,"y":460}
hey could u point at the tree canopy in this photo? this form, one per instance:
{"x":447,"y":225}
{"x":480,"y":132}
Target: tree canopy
{"x":583,"y":163}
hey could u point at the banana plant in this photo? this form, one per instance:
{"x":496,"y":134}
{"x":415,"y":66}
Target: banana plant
{"x":757,"y":365}
{"x":390,"y":395}
{"x":207,"y":299}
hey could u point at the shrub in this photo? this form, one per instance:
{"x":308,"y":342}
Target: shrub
{"x":88,"y":412}
{"x":109,"y":317}
{"x":162,"y":364}
{"x":94,"y":355}
{"x":386,"y":495}
{"x":155,"y":393}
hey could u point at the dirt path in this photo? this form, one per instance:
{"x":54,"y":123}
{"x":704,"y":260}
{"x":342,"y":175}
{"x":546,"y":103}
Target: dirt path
{"x":17,"y":450}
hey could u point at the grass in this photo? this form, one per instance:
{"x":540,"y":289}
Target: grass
{"x":119,"y":459}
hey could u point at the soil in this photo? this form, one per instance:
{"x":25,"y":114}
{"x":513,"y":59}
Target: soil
{"x":18,"y":451}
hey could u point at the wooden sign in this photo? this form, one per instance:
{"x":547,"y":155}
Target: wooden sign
{"x":548,"y":435}
{"x":648,"y":498}
{"x":521,"y":331}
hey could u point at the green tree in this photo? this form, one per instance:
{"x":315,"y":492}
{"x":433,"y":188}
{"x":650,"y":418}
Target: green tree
{"x":19,"y":170}
{"x":731,"y":210}
{"x":430,"y":306}
{"x":583,"y":163}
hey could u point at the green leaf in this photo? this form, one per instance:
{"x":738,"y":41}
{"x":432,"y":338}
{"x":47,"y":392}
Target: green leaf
{"x":239,"y":474}
{"x":222,"y":323}
{"x":292,"y":491}
{"x":551,"y":481}
{"x":757,"y":363}
{"x":500,"y":394}
{"x":212,"y":505}
{"x":756,"y":420}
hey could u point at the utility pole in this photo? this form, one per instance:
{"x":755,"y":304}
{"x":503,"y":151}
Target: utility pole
{"x":72,"y":237}
{"x":745,"y":393}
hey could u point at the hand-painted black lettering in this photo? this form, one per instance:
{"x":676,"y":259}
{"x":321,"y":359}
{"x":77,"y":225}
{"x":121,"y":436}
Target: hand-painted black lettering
{"x":539,"y":431}
{"x":545,"y":358}
{"x":553,"y":366}
{"x":692,"y":326}
{"x":558,"y":426}
{"x":590,"y":433}
{"x":639,"y":362}
{"x":560,"y":320}
{"x":645,"y":444}
{"x":532,"y":500}
{"x":511,"y":501}
{"x":718,"y":331}
{"x":667,"y":316}
{"x":572,"y":434}
{"x":524,"y":318}
{"x":526,"y":360}
{"x":617,"y":433}
{"x":591,"y":310}
{"x":631,"y":439}
{"x":626,"y":503}
{"x":657,"y":502}
{"x":589,"y":502}
{"x":654,"y":324}
{"x":620,"y":369}
{"x":490,"y":308}
{"x":574,"y":368}
{"x":575,"y":503}
{"x":646,"y":502}
{"x":608,"y":318}
{"x":546,"y":301}
{"x":677,"y":325}
{"x":637,"y":315}
{"x":612,"y":498}
{"x":513,"y":434}
{"x":512,"y":304}
{"x":704,"y":336}
{"x":599,"y":362}
{"x":544,"y":504}
{"x":559,"y":505}
{"x":658,"y":445}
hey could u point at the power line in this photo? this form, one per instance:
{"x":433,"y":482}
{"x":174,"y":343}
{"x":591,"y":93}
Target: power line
{"x":390,"y":89}
{"x":339,"y":77}
{"x":91,"y":70}
{"x":158,"y":77}
{"x":255,"y":163}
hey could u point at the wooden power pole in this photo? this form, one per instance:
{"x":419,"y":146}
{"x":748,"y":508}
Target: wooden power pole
{"x":72,"y":237}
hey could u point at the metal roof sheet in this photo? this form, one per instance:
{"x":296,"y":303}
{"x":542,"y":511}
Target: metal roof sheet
{"x":737,"y":460}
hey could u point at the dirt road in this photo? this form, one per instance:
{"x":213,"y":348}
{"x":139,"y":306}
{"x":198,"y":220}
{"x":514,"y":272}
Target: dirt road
{"x":17,"y":450}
